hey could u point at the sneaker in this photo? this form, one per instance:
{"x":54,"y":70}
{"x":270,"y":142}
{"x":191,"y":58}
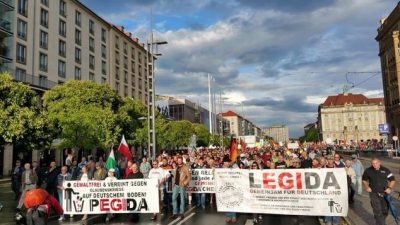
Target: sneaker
{"x":154,"y":217}
{"x":61,"y":218}
{"x":107,"y":219}
{"x":182,"y":216}
{"x":234,"y":220}
{"x":255,"y":221}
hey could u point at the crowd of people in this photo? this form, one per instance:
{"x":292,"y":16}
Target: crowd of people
{"x":172,"y":170}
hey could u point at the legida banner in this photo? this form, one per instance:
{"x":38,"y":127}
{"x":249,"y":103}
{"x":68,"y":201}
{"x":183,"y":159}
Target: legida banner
{"x":120,"y":196}
{"x":311,"y":192}
{"x":202,"y":181}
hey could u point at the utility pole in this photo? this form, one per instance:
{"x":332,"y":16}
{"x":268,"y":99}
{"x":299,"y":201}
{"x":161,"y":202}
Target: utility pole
{"x":210,"y":104}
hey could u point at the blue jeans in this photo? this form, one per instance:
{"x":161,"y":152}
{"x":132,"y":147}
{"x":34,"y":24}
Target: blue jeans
{"x":181,"y":191}
{"x":392,"y":208}
{"x":60,"y":198}
{"x":334,"y":220}
{"x":201,"y":199}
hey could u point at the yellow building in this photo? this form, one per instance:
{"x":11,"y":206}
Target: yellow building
{"x":351,"y":117}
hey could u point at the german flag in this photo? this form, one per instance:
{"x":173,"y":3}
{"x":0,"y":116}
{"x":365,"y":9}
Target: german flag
{"x":233,"y":153}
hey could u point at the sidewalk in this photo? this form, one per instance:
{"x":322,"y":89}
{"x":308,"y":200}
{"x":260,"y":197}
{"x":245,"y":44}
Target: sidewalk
{"x":7,"y":199}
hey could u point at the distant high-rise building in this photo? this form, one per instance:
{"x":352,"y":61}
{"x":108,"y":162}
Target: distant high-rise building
{"x":280,"y":133}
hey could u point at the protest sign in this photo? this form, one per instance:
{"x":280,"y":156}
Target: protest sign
{"x":120,"y":196}
{"x":202,"y":181}
{"x":312,"y":192}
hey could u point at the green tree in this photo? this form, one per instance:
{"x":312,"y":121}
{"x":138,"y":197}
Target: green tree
{"x":310,"y":136}
{"x":202,"y":135}
{"x":142,"y":136}
{"x":178,"y":133}
{"x":131,"y":117}
{"x":85,"y":114}
{"x":20,"y":117}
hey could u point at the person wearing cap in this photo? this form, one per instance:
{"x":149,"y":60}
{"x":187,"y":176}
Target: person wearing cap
{"x":359,"y":170}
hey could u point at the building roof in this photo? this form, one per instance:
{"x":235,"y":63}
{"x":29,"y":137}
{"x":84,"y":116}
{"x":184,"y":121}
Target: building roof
{"x":229,"y":113}
{"x":355,"y":99}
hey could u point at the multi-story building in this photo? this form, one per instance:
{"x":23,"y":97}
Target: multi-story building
{"x":280,"y":133}
{"x":389,"y":53}
{"x":239,"y":126}
{"x":184,"y":109}
{"x":351,"y":117}
{"x":310,"y":126}
{"x":6,"y":33}
{"x":45,"y":43}
{"x":61,"y":40}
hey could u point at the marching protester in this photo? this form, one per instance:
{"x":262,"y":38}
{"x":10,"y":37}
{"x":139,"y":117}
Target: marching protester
{"x":61,"y":178}
{"x":110,"y":177}
{"x":39,"y":214}
{"x":351,"y":179}
{"x":359,"y":170}
{"x":28,"y":182}
{"x":378,"y":181}
{"x":145,"y":167}
{"x":160,"y":174}
{"x":100,"y":173}
{"x":84,"y":177}
{"x":229,"y":216}
{"x":181,"y":180}
{"x":16,"y":179}
{"x":51,"y":179}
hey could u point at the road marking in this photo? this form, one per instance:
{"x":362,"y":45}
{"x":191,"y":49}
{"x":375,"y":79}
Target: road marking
{"x":186,"y":218}
{"x":174,"y":221}
{"x":191,"y":209}
{"x":249,"y":222}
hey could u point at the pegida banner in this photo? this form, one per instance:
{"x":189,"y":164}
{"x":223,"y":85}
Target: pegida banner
{"x":120,"y":196}
{"x":311,"y":192}
{"x":202,"y":181}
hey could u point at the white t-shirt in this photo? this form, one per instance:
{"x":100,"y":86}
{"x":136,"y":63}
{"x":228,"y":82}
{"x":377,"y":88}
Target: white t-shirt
{"x":110,"y":179}
{"x":159,"y":174}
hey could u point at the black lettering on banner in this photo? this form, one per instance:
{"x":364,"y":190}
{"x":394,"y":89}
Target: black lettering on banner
{"x":93,"y":203}
{"x":252,"y":184}
{"x":330,"y":180}
{"x":143,"y":205}
{"x":317,"y":180}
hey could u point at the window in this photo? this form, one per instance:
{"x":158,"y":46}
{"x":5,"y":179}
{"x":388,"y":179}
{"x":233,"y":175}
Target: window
{"x":44,"y":17}
{"x":126,"y":77}
{"x":42,"y":61}
{"x":91,"y":44}
{"x":117,"y":72}
{"x":63,"y":8}
{"x":140,"y":57}
{"x":60,"y":82}
{"x":42,"y":81}
{"x":21,"y":29}
{"x":103,"y":51}
{"x":103,"y":67}
{"x":45,"y":2}
{"x":61,"y":48}
{"x":78,"y":55}
{"x":62,"y":28}
{"x":91,"y":62}
{"x":103,"y":80}
{"x":133,"y":81}
{"x":21,"y":53}
{"x":78,"y":37}
{"x":116,"y":42}
{"x":91,"y":27}
{"x":126,"y":91}
{"x":133,"y":67}
{"x":125,"y":48}
{"x":61,"y":68}
{"x":77,"y":73}
{"x":103,"y":34}
{"x":78,"y":18}
{"x":133,"y":53}
{"x":125,"y":62}
{"x":117,"y":86}
{"x":23,"y":7}
{"x":116,"y":57}
{"x":91,"y":76}
{"x":44,"y":39}
{"x":20,"y":74}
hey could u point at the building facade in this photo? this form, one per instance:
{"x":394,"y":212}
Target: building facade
{"x":389,"y":53}
{"x":351,"y":117}
{"x":61,"y":40}
{"x":6,"y":34}
{"x":280,"y":133}
{"x":239,"y":126}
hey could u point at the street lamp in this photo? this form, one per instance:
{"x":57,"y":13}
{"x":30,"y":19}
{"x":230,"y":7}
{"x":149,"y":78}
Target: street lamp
{"x":151,"y":97}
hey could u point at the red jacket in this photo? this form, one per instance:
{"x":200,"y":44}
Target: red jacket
{"x":50,"y":203}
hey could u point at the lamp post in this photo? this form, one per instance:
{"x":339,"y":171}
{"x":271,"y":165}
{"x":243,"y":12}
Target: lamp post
{"x":151,"y":95}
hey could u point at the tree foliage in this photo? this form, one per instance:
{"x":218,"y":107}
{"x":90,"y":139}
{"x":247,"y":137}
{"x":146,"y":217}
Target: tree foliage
{"x":202,"y":135}
{"x":85,"y":114}
{"x":178,"y":133}
{"x":310,"y":136}
{"x":20,"y":117}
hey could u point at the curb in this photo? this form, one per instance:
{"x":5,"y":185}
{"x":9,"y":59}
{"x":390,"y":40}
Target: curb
{"x":5,"y":181}
{"x":347,"y":220}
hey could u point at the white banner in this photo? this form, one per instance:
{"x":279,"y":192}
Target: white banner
{"x":311,"y":192}
{"x":202,"y":181}
{"x":120,"y":196}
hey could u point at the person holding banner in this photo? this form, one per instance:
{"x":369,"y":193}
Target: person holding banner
{"x":201,"y":197}
{"x":160,"y":174}
{"x":181,"y":181}
{"x":229,"y":216}
{"x":111,"y":177}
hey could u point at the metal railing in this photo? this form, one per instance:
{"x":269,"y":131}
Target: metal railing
{"x":35,"y":81}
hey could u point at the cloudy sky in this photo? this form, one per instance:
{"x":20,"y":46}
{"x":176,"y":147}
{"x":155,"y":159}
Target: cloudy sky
{"x":273,"y":60}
